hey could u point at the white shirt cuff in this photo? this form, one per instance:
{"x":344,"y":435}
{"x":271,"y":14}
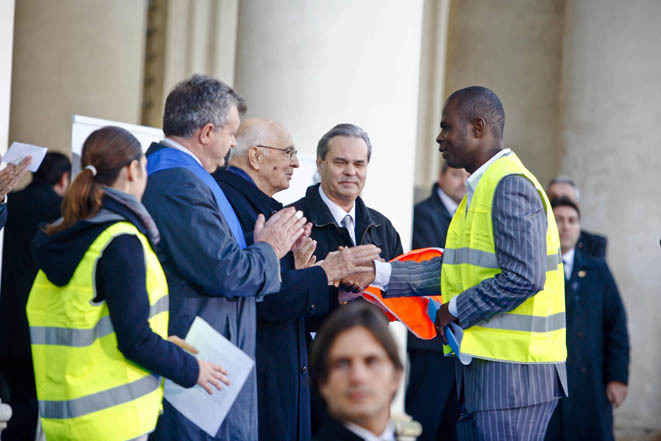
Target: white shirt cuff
{"x":382,"y":277}
{"x":453,"y":306}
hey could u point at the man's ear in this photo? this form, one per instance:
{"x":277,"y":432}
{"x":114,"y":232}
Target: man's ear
{"x":254,"y":156}
{"x":205,"y":133}
{"x":479,"y":128}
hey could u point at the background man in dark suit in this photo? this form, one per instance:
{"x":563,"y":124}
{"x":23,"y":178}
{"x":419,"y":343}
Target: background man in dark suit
{"x":356,"y":368}
{"x":261,"y":165}
{"x":597,"y":339}
{"x":431,"y":395}
{"x":338,"y":214}
{"x":40,"y":202}
{"x":591,"y":244}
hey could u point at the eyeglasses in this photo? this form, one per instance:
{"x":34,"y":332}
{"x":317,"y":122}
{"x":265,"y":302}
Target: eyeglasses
{"x":290,"y":151}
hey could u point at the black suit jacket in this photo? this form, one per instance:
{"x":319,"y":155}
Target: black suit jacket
{"x":592,"y":244}
{"x":333,"y":430}
{"x":26,"y":209}
{"x":597,"y":352}
{"x":430,"y":226}
{"x":283,"y":391}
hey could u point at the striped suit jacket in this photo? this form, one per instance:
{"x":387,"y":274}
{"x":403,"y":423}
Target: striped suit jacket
{"x":519,"y":225}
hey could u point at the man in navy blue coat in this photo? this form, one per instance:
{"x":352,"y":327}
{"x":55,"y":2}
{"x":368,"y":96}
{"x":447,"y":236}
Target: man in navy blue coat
{"x":597,"y":339}
{"x":210,"y":270}
{"x":262,"y":164}
{"x":431,"y":395}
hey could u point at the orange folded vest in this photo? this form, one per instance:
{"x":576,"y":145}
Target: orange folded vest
{"x":410,"y":311}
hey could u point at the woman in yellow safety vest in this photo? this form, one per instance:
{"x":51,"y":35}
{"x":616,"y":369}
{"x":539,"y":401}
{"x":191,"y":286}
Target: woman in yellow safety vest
{"x":98,"y":309}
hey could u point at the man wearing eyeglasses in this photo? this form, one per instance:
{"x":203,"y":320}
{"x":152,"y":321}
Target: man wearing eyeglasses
{"x":260,"y":165}
{"x":338,"y":214}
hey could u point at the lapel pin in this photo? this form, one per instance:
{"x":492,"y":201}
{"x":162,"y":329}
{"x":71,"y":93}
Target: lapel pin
{"x":582,"y":273}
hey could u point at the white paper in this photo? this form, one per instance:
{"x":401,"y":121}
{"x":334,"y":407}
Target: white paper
{"x":18,"y":151}
{"x":204,"y":410}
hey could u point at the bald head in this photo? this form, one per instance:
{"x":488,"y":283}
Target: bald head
{"x":479,"y":102}
{"x":262,"y":151}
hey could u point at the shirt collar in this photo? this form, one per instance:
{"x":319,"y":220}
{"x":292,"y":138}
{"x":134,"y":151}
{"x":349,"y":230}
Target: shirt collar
{"x":387,"y":435}
{"x":337,"y":212}
{"x":449,"y":203}
{"x":175,"y":145}
{"x":474,"y":178}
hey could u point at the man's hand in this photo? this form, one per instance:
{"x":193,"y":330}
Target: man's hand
{"x":443,"y":318}
{"x":356,"y":283}
{"x":211,"y":375}
{"x":303,"y":253}
{"x":281,"y":231}
{"x":616,"y":392}
{"x":349,"y":261}
{"x":10,"y":175}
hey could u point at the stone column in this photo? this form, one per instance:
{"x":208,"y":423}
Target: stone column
{"x":612,"y":102}
{"x":75,"y":57}
{"x":311,"y":66}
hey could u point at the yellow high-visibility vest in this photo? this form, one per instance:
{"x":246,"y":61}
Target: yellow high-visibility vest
{"x":533,"y":332}
{"x":87,"y":390}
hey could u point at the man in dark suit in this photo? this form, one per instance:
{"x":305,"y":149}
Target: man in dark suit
{"x":597,"y":339}
{"x":501,"y":263}
{"x":261,"y":165}
{"x":591,"y":244}
{"x":357,"y":370}
{"x":338,"y":214}
{"x":431,"y":395}
{"x":40,"y":202}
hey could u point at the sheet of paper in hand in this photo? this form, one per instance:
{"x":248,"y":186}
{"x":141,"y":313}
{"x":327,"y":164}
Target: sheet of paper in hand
{"x":204,"y":410}
{"x":18,"y":151}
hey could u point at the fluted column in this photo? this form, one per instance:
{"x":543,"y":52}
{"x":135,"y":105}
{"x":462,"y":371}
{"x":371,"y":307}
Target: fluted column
{"x":612,"y":102}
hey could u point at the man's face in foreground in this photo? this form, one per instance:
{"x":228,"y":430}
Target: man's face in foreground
{"x":362,"y":379}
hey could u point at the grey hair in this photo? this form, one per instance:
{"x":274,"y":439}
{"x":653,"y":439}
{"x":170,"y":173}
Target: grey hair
{"x":565,"y":180}
{"x":345,"y":129}
{"x":197,"y":101}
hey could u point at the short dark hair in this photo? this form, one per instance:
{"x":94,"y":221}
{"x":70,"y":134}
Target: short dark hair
{"x":197,"y":101}
{"x":479,"y":102}
{"x":564,"y":201}
{"x":52,"y":168}
{"x":344,"y":129}
{"x":355,"y":314}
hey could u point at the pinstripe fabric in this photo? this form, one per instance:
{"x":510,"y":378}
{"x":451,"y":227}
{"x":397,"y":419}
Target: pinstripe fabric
{"x":519,"y":225}
{"x":521,"y":424}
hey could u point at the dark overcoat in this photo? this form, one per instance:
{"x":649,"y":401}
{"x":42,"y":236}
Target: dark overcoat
{"x":597,"y":352}
{"x":371,"y":228}
{"x":283,"y":387}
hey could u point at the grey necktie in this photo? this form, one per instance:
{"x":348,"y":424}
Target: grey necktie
{"x":347,"y":223}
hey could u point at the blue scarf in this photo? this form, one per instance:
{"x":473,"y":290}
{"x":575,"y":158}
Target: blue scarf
{"x":168,"y":157}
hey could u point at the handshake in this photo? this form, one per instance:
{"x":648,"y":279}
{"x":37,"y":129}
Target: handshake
{"x":351,"y":269}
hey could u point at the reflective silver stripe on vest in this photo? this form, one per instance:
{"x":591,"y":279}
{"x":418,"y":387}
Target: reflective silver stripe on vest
{"x":99,"y":400}
{"x":485,"y":259}
{"x":52,"y":335}
{"x":529,"y":323}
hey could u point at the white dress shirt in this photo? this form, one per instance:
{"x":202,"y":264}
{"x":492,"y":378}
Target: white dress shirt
{"x":175,"y":145}
{"x":568,"y":262}
{"x":382,"y":269}
{"x":387,"y":435}
{"x":449,"y":203}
